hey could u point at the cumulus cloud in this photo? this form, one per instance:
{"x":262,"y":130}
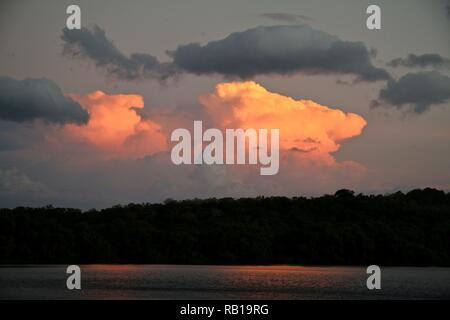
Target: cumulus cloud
{"x":115,"y":127}
{"x":309,"y":135}
{"x":31,"y":99}
{"x":120,"y":156}
{"x":421,"y":61}
{"x":312,"y":131}
{"x":284,"y":50}
{"x":94,"y":45}
{"x":415,"y":91}
{"x":308,"y":130}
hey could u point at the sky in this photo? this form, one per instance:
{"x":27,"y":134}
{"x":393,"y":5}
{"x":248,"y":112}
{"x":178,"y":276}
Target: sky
{"x":86,"y":115}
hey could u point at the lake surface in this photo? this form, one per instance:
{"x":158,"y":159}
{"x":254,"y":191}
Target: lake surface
{"x":221,"y":282}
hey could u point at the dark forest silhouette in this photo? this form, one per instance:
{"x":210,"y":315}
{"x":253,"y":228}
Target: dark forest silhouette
{"x":339,"y":229}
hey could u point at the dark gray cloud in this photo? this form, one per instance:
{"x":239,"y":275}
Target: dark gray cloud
{"x":284,"y":50}
{"x":30,"y":99}
{"x":94,"y":44}
{"x":421,"y":61}
{"x":285,"y":17}
{"x":416,"y":91}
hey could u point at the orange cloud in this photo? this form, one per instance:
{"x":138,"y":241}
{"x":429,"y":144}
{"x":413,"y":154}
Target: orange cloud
{"x":309,"y":134}
{"x":115,"y":127}
{"x":309,"y":129}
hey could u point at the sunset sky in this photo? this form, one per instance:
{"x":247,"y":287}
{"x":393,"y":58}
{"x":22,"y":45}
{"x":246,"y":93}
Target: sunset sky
{"x":86,"y":115}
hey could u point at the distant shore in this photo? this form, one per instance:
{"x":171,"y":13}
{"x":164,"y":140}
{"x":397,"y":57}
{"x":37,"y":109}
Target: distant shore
{"x":343,"y":229}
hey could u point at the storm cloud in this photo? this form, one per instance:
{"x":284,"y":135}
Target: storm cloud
{"x":416,"y":91}
{"x":31,"y":99}
{"x":421,"y":61}
{"x":283,"y":50}
{"x":94,"y":45}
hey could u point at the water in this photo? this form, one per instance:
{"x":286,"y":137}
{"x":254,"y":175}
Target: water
{"x":221,"y":282}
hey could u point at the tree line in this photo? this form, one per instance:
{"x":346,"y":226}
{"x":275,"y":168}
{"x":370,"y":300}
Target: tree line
{"x":339,"y":229}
